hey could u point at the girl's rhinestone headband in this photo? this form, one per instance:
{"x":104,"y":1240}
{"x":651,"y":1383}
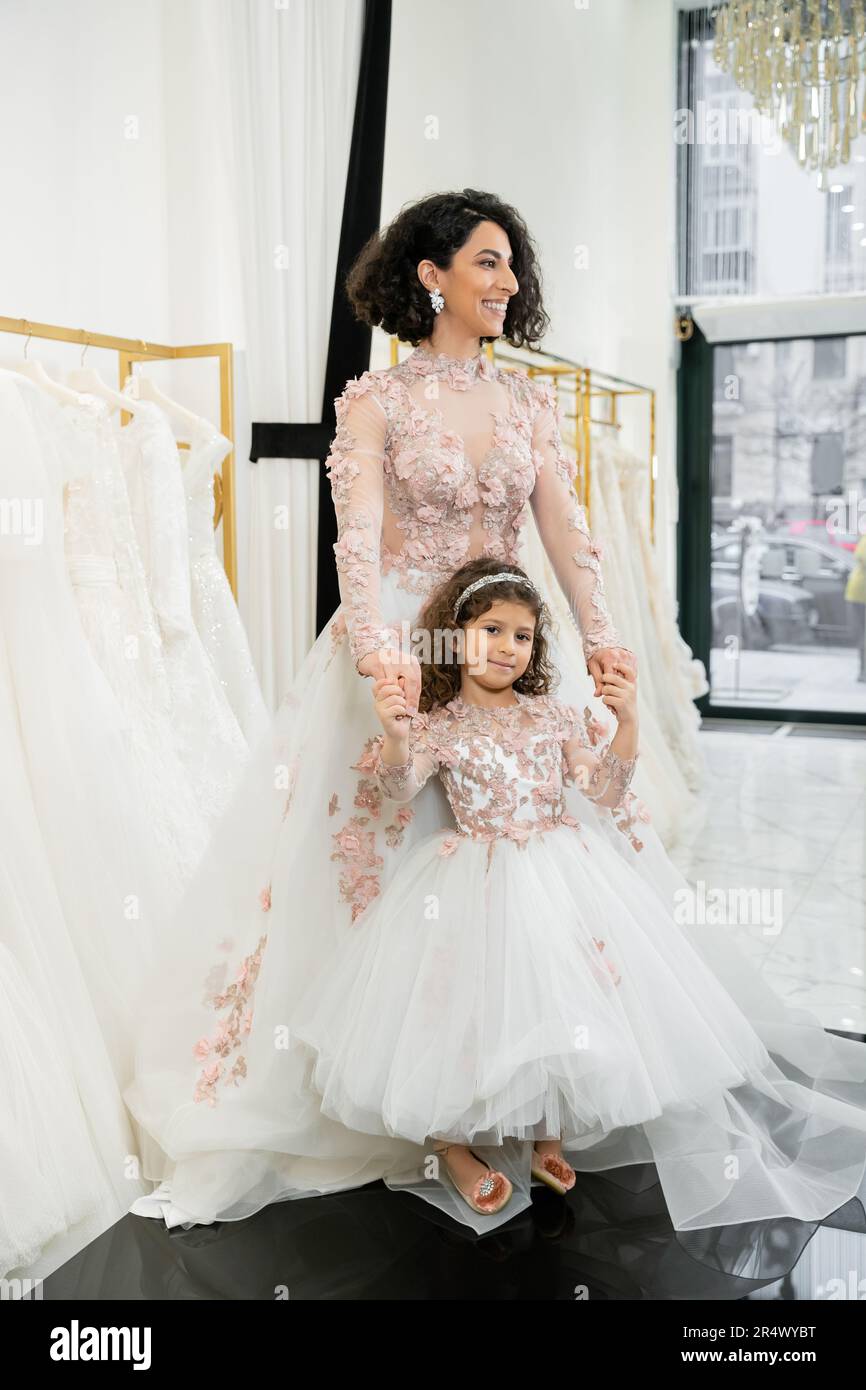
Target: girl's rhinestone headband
{"x":492,"y":579}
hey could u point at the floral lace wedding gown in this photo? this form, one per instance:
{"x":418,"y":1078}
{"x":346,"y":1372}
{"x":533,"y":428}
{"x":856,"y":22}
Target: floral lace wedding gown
{"x":214,"y":609}
{"x":108,"y":580}
{"x":433,"y":462}
{"x":209,"y":739}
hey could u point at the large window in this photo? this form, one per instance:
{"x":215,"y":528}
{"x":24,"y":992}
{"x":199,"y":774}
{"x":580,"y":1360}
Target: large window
{"x":788,"y":510}
{"x":751,"y":219}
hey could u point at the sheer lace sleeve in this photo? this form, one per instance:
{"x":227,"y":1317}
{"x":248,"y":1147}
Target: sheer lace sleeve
{"x":563,"y":527}
{"x":355,"y":472}
{"x":402,"y":781}
{"x":602,"y":777}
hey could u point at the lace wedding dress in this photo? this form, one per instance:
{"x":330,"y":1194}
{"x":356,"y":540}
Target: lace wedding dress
{"x":108,"y":580}
{"x":434,"y":461}
{"x":214,"y":609}
{"x":210,"y":741}
{"x":81,"y":885}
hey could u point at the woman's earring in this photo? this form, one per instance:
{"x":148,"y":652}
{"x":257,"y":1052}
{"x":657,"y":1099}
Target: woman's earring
{"x":437,"y":301}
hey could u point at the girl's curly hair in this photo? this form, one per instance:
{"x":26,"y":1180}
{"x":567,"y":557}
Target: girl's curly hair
{"x":383,"y":285}
{"x":440,"y":679}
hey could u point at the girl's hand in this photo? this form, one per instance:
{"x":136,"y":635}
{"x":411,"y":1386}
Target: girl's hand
{"x":611,"y":659}
{"x":390,"y":663}
{"x":390,"y":703}
{"x":619,"y":693}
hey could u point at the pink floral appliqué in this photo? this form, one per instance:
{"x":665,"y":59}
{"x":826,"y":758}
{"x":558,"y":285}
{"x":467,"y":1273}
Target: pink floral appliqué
{"x":356,"y":849}
{"x":625,"y":815}
{"x":395,"y":832}
{"x":595,"y":728}
{"x":232,"y":1029}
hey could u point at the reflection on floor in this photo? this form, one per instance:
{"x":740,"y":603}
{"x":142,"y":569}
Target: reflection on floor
{"x":779,"y":811}
{"x":603,"y":1241}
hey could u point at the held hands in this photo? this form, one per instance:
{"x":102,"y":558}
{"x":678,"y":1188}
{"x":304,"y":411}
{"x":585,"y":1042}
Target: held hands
{"x":619,"y":693}
{"x":611,"y":659}
{"x":391,"y":664}
{"x":391,"y":709}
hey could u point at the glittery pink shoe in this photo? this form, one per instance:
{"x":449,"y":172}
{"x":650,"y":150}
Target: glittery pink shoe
{"x":553,"y":1170}
{"x":489,"y":1194}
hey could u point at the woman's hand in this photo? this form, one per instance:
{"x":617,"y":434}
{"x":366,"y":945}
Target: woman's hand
{"x":619,"y":693}
{"x":390,"y":704}
{"x":611,"y":659}
{"x":390,"y":663}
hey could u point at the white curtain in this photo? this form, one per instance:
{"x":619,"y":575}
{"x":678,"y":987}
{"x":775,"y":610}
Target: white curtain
{"x":274,"y":126}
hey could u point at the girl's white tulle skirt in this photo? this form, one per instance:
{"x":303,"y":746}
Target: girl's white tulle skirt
{"x":335,"y":993}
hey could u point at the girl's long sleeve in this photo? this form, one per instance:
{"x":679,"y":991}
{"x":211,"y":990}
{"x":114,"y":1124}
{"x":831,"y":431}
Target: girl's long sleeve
{"x":403,"y":781}
{"x":563,"y":528}
{"x":602,"y":777}
{"x":355,"y":472}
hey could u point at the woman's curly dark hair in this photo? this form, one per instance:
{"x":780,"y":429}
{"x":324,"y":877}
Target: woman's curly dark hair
{"x":441,"y":679}
{"x":383,"y":285}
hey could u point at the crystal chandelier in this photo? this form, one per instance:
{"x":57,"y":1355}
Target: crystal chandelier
{"x":801,"y":60}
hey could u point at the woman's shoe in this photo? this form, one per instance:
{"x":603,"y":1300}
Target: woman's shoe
{"x":553,"y":1170}
{"x":489,"y":1194}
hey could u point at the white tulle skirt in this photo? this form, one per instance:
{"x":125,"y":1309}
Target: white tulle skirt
{"x":309,"y":1029}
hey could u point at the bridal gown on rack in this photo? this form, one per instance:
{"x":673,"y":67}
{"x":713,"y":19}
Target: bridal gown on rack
{"x":110,"y":587}
{"x":46,"y":1179}
{"x":81,"y":885}
{"x":433,"y":462}
{"x":214,"y":609}
{"x":671,"y":678}
{"x":210,"y":739}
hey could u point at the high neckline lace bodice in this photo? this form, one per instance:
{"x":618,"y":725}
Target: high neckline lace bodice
{"x":465,"y":708}
{"x":461,"y":373}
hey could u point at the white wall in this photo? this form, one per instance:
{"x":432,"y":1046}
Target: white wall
{"x":566,"y":112}
{"x":84,"y":231}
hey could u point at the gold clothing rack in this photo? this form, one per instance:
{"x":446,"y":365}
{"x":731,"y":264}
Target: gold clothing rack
{"x":131,"y":350}
{"x":588,"y":384}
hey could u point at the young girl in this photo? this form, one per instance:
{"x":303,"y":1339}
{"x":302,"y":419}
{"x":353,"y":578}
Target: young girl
{"x":519,"y":986}
{"x":460,"y":1018}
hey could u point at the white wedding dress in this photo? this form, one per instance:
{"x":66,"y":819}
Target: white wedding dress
{"x":47,"y":1179}
{"x":671,"y":677}
{"x":81,"y":885}
{"x":434,"y":461}
{"x":214,"y":609}
{"x":210,"y":740}
{"x":110,"y":587}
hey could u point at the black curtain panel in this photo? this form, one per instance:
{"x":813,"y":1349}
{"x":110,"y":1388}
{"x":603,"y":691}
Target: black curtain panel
{"x":349,"y":341}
